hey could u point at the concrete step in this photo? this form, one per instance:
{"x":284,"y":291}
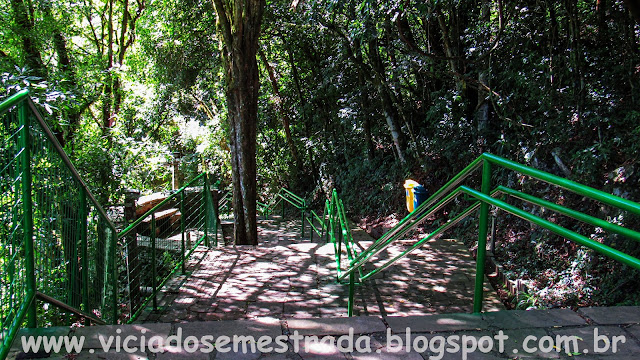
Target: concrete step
{"x":172,"y":214}
{"x":594,"y":329}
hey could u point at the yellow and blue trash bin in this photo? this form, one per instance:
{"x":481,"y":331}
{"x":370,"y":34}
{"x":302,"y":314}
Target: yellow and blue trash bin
{"x":408,"y":190}
{"x":415,"y":194}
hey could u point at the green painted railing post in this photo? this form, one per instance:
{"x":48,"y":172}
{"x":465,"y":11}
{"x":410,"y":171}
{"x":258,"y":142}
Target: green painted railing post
{"x":114,"y":275}
{"x":282,"y":199}
{"x":182,"y":215}
{"x":27,"y":219}
{"x":205,"y":199}
{"x":482,"y":238}
{"x":216,"y":217}
{"x":340,"y":234}
{"x":153,"y":260}
{"x":82,"y":214}
{"x":325,"y":221}
{"x":304,"y":207}
{"x":111,"y":266}
{"x":352,"y":290}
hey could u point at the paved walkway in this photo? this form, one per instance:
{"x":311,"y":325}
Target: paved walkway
{"x":278,"y":296}
{"x":287,"y":277}
{"x":529,"y":335}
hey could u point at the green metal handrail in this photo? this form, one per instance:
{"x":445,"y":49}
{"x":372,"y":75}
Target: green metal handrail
{"x":35,"y":172}
{"x":339,"y":232}
{"x":308,"y":215}
{"x":59,"y":246}
{"x":160,"y":236}
{"x":486,"y":197}
{"x":158,"y":206}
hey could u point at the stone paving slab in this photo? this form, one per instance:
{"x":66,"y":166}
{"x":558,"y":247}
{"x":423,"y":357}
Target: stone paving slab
{"x":337,"y":326}
{"x":518,"y":319}
{"x":612,"y":315}
{"x":111,"y":355}
{"x":634,"y":330}
{"x":92,"y":334}
{"x":50,"y":331}
{"x":588,"y":345}
{"x":249,"y":327}
{"x":382,"y":353}
{"x":317,"y":350}
{"x":440,"y":322}
{"x":514,"y":346}
{"x":464,"y":329}
{"x":475,"y":355}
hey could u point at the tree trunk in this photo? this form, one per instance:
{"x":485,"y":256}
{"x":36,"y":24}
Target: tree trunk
{"x":283,"y":114}
{"x":366,"y":122}
{"x":553,"y":34}
{"x":575,"y":55}
{"x":65,"y":67}
{"x":26,"y":30}
{"x":482,"y":109}
{"x":601,"y":10}
{"x":243,"y":110}
{"x":446,"y":41}
{"x":306,"y":119}
{"x":238,"y":24}
{"x":108,"y":83}
{"x":387,"y":103}
{"x":364,"y":105}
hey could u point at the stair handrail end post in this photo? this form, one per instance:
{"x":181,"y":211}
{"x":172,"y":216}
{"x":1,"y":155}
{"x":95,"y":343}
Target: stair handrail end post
{"x":304,"y":208}
{"x":114,"y":275}
{"x":182,"y":232}
{"x":352,"y":288}
{"x":205,"y":200}
{"x":483,"y":225}
{"x":84,"y":248}
{"x":153,"y":261}
{"x":27,"y":203}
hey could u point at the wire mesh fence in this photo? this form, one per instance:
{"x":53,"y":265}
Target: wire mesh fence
{"x":157,"y":243}
{"x":72,"y":238}
{"x":58,"y":246}
{"x":13,"y":290}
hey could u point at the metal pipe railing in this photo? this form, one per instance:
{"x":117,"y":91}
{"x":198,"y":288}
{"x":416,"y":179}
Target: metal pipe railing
{"x":420,"y":214}
{"x":566,"y":233}
{"x":573,"y":186}
{"x":588,"y":219}
{"x":485,"y":197}
{"x":36,"y":153}
{"x":67,"y":162}
{"x":378,"y":246}
{"x":57,"y":217}
{"x":285,"y":196}
{"x":140,"y":219}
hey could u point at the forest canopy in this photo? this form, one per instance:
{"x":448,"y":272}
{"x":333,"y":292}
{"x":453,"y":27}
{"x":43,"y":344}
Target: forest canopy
{"x":353,"y":95}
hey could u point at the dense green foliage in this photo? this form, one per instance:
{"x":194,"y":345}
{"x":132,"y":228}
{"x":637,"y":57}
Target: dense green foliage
{"x":356,"y":95}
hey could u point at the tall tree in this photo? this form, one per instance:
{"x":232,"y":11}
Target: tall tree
{"x":238,"y":24}
{"x":280,"y":106}
{"x":25,"y":23}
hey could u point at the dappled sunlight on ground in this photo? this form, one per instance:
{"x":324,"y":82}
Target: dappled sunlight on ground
{"x":288,"y":277}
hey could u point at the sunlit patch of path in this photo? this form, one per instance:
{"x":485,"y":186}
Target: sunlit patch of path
{"x":287,"y":277}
